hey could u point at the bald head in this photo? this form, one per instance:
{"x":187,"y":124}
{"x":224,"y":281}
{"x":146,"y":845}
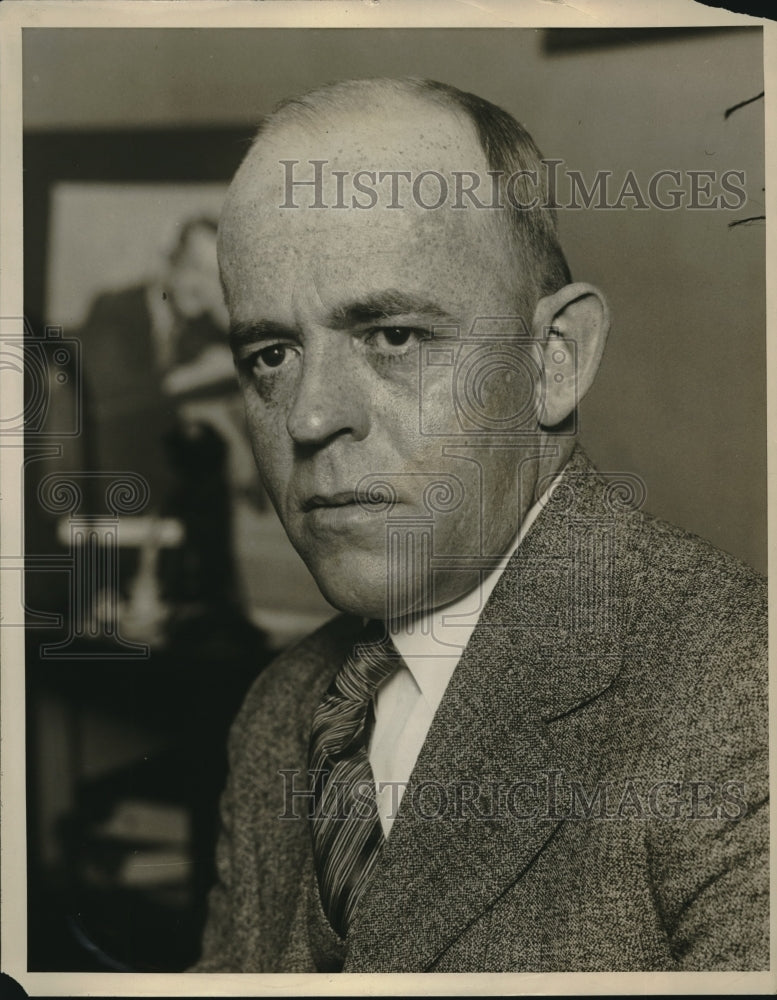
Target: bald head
{"x":391,"y":132}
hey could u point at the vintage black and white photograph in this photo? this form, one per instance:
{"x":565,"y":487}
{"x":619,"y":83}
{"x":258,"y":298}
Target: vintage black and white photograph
{"x":389,"y":593}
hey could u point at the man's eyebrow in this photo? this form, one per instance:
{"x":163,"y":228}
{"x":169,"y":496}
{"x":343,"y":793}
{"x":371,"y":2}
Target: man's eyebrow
{"x":250,"y":332}
{"x":384,"y":305}
{"x":371,"y":309}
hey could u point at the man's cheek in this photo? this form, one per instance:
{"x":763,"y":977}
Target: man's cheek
{"x":273,"y":475}
{"x":436,"y":414}
{"x":272,"y":465}
{"x":266,"y":423}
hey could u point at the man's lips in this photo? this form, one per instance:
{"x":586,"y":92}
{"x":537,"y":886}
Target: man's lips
{"x":342,"y":498}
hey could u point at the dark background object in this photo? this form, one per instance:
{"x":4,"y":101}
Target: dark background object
{"x":135,"y":849}
{"x":93,"y":903}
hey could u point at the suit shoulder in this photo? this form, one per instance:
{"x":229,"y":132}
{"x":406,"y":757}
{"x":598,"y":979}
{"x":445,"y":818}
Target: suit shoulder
{"x":701,"y":608}
{"x":678,"y":566}
{"x":667,"y":571}
{"x":285,"y":684}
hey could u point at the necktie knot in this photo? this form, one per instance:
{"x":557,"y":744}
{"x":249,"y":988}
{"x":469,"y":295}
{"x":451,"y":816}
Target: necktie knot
{"x":339,"y":724}
{"x":372,"y":661}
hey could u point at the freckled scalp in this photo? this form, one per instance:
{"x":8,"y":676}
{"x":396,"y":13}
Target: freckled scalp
{"x":507,"y":146}
{"x":349,"y":122}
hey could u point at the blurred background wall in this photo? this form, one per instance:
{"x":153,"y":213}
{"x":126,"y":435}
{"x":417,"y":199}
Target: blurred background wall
{"x":680,"y":399}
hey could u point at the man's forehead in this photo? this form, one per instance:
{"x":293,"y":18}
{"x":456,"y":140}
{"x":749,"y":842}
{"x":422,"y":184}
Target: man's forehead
{"x":282,"y":225}
{"x":311,"y":185}
{"x":327,"y":159}
{"x":266,"y":252}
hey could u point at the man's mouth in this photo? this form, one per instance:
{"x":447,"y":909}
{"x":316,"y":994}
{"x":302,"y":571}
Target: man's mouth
{"x":343,"y":498}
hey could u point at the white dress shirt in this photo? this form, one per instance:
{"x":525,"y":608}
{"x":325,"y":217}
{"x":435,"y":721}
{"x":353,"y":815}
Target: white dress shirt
{"x":405,"y":704}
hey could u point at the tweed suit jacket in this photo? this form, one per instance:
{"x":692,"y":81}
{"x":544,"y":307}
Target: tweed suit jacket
{"x":591,"y":794}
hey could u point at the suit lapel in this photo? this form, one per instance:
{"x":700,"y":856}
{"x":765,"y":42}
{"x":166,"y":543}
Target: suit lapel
{"x":475,"y":811}
{"x":451,"y":849}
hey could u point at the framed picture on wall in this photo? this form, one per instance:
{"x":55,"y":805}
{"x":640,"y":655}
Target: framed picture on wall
{"x":120,"y":255}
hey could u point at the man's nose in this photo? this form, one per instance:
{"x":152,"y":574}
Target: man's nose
{"x":331,"y":399}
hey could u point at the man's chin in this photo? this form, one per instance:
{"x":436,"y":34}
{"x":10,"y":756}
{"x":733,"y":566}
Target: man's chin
{"x":366,"y":601}
{"x":366,"y":595}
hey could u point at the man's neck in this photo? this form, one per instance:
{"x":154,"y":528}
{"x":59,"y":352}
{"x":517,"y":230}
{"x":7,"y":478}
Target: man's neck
{"x":446,"y":630}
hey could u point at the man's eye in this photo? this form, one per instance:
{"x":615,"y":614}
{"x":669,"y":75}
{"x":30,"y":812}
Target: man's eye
{"x":272,"y":356}
{"x":397,"y":336}
{"x":394,"y":338}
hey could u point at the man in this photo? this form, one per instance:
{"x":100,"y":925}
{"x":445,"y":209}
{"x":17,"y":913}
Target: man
{"x":545,"y":750}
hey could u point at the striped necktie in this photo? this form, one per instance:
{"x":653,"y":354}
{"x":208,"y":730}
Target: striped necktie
{"x":347,"y":835}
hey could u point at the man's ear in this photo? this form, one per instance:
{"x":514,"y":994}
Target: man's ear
{"x":571,"y":329}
